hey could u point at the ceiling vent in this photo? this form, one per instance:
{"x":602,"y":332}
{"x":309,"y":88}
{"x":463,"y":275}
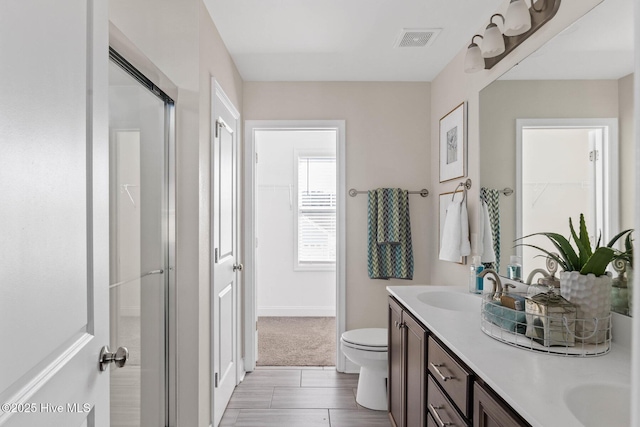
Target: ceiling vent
{"x":416,"y":37}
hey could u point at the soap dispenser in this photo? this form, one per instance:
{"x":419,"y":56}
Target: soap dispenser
{"x":475,"y":282}
{"x":514,"y":269}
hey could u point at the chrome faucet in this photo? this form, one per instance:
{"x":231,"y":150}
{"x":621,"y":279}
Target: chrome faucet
{"x":533,"y":273}
{"x":498,"y":288}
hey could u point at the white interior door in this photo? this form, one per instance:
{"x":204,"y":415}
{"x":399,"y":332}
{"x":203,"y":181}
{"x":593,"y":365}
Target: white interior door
{"x":54,"y":214}
{"x":224,"y":291}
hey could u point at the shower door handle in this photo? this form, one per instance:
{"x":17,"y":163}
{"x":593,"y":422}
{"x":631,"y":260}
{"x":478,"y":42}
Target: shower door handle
{"x":238,"y":267}
{"x":106,"y":357}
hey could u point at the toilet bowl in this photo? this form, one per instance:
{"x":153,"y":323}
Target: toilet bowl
{"x":367,"y":348}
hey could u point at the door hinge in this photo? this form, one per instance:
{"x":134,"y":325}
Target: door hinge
{"x":217,"y":127}
{"x":256,"y":157}
{"x":215,"y":380}
{"x":594,"y":155}
{"x":215,"y":255}
{"x":256,"y":326}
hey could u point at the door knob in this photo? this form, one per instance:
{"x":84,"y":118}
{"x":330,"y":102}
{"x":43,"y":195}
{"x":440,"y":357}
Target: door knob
{"x":120,"y":357}
{"x":238,"y":267}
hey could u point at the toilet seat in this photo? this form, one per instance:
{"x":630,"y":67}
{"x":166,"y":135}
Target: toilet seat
{"x":367,"y":339}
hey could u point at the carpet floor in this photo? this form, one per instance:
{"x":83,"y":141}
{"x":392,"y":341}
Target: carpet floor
{"x":296,"y":341}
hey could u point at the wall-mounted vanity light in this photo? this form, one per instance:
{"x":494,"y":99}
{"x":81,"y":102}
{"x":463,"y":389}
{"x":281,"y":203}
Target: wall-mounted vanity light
{"x":493,"y":41}
{"x":518,"y":24}
{"x":473,"y":61}
{"x":518,"y":20}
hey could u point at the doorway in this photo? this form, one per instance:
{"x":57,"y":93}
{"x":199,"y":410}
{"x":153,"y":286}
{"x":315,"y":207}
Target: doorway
{"x":294,"y":213}
{"x":140,"y":234}
{"x":567,"y":167}
{"x":296,"y":251}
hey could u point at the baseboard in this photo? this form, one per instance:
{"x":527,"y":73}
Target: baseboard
{"x":241,"y":372}
{"x":296,"y":311}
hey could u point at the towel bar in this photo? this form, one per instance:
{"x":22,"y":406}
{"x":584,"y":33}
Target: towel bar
{"x":424,"y":192}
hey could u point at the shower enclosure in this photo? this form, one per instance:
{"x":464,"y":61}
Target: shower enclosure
{"x":141,"y":245}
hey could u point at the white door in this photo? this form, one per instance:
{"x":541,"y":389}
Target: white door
{"x":54,"y":258}
{"x":224,"y":247}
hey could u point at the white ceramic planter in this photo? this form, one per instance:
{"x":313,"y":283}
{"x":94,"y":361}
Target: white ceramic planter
{"x":592,"y":297}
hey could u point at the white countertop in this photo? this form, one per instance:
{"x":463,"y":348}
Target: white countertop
{"x":533,"y":383}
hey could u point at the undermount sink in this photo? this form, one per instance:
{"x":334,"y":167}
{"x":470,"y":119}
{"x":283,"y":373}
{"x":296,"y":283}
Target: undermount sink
{"x":454,"y":301}
{"x":600,"y":404}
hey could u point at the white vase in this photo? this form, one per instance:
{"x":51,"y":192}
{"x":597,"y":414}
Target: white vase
{"x":592,"y":298}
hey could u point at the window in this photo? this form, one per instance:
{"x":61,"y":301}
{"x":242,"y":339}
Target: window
{"x":316,"y":212}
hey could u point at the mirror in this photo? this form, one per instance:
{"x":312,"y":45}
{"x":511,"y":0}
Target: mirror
{"x":552,"y":127}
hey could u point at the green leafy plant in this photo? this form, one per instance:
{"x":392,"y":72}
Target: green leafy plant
{"x":627,"y":255}
{"x":586,"y":260}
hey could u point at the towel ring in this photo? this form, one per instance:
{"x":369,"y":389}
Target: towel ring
{"x":466,"y":185}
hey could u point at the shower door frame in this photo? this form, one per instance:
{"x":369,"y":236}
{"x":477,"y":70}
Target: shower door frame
{"x":169,"y":232}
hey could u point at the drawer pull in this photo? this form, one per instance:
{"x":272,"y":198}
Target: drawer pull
{"x":440,"y":374}
{"x":434,"y":411}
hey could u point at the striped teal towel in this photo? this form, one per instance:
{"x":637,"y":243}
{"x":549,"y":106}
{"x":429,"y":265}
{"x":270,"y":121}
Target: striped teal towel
{"x":389,"y":234}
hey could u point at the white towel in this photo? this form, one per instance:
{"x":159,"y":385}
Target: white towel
{"x":485,"y":248}
{"x":455,"y":234}
{"x":465,"y":245}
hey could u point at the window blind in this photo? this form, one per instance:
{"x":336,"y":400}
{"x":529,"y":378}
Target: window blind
{"x":316,"y":210}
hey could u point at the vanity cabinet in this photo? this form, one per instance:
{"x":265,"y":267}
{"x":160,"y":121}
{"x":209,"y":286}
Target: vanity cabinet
{"x":428,"y":385}
{"x":449,"y":398}
{"x":490,"y":411}
{"x":406,"y":384}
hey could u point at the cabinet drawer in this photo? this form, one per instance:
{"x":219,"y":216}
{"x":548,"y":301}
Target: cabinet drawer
{"x":443,"y":411}
{"x":454,"y":379}
{"x":430,"y":421}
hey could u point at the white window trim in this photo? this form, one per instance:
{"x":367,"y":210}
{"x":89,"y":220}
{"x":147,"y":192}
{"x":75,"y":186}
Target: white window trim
{"x":297,"y":153}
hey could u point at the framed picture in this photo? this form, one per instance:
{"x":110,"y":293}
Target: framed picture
{"x":453,"y":141}
{"x":445,"y":199}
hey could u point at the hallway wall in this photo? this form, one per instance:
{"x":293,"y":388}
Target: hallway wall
{"x":282,"y":288}
{"x":179,"y":38}
{"x":387,"y":145}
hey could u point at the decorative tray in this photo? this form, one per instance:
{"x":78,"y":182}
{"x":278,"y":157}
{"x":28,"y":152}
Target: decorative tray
{"x":559,"y":333}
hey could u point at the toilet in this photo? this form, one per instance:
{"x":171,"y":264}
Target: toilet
{"x":367,"y":348}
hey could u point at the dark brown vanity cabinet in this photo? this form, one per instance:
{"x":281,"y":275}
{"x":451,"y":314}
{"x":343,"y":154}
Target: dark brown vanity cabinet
{"x":449,"y":383}
{"x":430,"y":386}
{"x":490,"y":411}
{"x":407,"y":368}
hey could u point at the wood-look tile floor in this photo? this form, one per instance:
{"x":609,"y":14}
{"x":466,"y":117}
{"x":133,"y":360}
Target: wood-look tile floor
{"x":299,"y":397}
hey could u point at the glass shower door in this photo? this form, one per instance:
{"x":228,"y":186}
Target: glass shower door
{"x":138,"y":250}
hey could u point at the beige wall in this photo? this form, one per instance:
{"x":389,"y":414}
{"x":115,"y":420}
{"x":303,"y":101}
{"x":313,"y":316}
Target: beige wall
{"x":627,"y":151}
{"x":387,"y":145}
{"x":453,"y":86}
{"x":180,"y":39}
{"x":504,"y":101}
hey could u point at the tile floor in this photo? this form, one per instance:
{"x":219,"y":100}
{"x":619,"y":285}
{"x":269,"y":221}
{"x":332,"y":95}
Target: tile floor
{"x":299,"y":397}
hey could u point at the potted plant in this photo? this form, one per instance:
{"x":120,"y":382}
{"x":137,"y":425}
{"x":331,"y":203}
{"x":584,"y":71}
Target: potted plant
{"x":584,"y":281}
{"x":626,"y":258}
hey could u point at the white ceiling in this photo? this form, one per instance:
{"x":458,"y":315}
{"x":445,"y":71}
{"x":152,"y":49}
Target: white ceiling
{"x":344,"y":40}
{"x":597,"y":46}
